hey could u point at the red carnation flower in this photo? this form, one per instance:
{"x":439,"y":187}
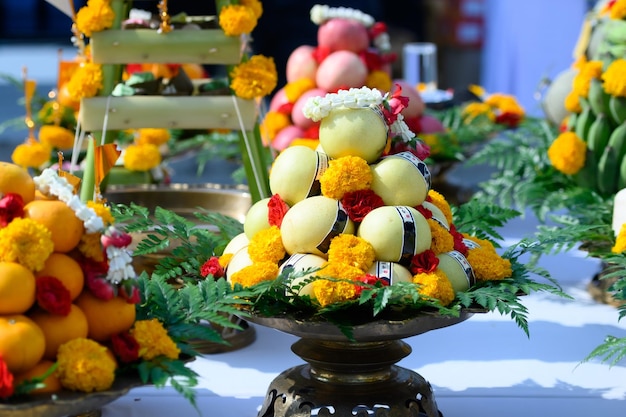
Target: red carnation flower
{"x":425,"y":262}
{"x":116,"y":238}
{"x":6,"y":380}
{"x":212,"y":267}
{"x":508,"y":119}
{"x":424,"y":211}
{"x":277,"y":209}
{"x":459,"y":245}
{"x":359,"y":203}
{"x":11,"y":207}
{"x":129,"y":291}
{"x":371,"y":280}
{"x":125,"y":347}
{"x":53,"y":296}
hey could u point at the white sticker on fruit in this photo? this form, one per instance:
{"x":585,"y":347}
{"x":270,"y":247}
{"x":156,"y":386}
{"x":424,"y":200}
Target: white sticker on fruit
{"x":322,"y":165}
{"x":337,"y":228}
{"x":384,"y":271}
{"x":471,"y":244}
{"x":419,"y":164}
{"x":409,"y":235}
{"x":469,"y":272}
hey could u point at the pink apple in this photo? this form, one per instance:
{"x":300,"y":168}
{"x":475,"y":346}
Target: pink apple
{"x":431,"y":124}
{"x":343,"y":34}
{"x":341,"y":69}
{"x":416,"y":104}
{"x":297,"y":116}
{"x":279,"y":99}
{"x":301,"y":63}
{"x":286,"y":136}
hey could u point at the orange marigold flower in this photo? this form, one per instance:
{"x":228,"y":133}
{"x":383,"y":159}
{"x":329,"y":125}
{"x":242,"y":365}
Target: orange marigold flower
{"x":567,"y":153}
{"x":255,"y":273}
{"x":267,"y":245}
{"x":85,"y":365}
{"x":31,"y":154}
{"x":435,"y":285}
{"x":154,"y":340}
{"x":615,"y":78}
{"x":476,"y":109}
{"x":442,"y":239}
{"x":295,"y":89}
{"x":236,"y":19}
{"x":56,"y":136}
{"x":582,"y":80}
{"x":254,"y":78}
{"x":620,"y":241}
{"x":141,"y":157}
{"x":85,"y":82}
{"x":346,"y":174}
{"x":273,"y":122}
{"x":487,"y":264}
{"x":97,"y":15}
{"x":442,"y":204}
{"x":379,"y":80}
{"x":351,"y":250}
{"x":330,"y":291}
{"x":91,"y":246}
{"x":255,"y":5}
{"x":572,"y":102}
{"x":225,"y":259}
{"x":154,"y":136}
{"x":617,"y":9}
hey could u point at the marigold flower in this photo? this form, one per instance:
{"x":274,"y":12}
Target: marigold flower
{"x":620,"y":241}
{"x":615,"y":78}
{"x":237,"y":19}
{"x":617,"y":9}
{"x":295,"y":89}
{"x":567,"y":153}
{"x":487,"y":264}
{"x":254,"y":78}
{"x":91,"y":247}
{"x":154,"y":136}
{"x":272,"y":123}
{"x":572,"y":102}
{"x":329,"y":292}
{"x":85,"y":365}
{"x":441,"y":203}
{"x":378,"y":79}
{"x":266,"y":245}
{"x":142,"y":157}
{"x":351,"y":250}
{"x":435,"y":285}
{"x":56,"y":137}
{"x":225,"y":259}
{"x":97,"y":15}
{"x":26,"y":242}
{"x":85,"y":82}
{"x":345,"y":174}
{"x":588,"y":71}
{"x":442,"y":240}
{"x":31,"y":154}
{"x":153,"y":340}
{"x":477,"y":109}
{"x":103,"y":211}
{"x":255,"y":5}
{"x":255,"y":273}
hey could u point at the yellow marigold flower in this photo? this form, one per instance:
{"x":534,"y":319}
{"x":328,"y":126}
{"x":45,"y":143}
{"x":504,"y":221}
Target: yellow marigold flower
{"x":266,"y":245}
{"x":442,"y":204}
{"x":487,"y":264}
{"x":477,"y":90}
{"x":329,"y":292}
{"x":153,"y":340}
{"x":91,"y":247}
{"x":255,"y":5}
{"x":236,"y":19}
{"x":85,"y":82}
{"x":351,"y":250}
{"x":615,"y":78}
{"x":56,"y":137}
{"x":618,"y":10}
{"x":311,"y":143}
{"x":620,"y":241}
{"x":579,"y":62}
{"x":435,"y":285}
{"x":31,"y":154}
{"x":85,"y":365}
{"x":141,"y":157}
{"x":224,"y":260}
{"x":103,"y":211}
{"x":567,"y":153}
{"x":254,"y":78}
{"x":154,"y":136}
{"x":432,"y":140}
{"x":476,"y":109}
{"x":346,"y":174}
{"x":582,"y":80}
{"x":379,"y":80}
{"x":442,"y":240}
{"x":97,"y":15}
{"x":295,"y":89}
{"x":255,"y":273}
{"x":572,"y":102}
{"x":26,"y":242}
{"x":273,"y":122}
{"x":505,"y":103}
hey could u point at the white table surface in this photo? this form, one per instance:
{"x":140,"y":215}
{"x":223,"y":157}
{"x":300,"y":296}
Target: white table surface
{"x":483,"y":367}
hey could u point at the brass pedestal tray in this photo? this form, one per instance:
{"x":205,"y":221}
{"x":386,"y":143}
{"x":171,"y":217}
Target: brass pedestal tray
{"x":184,"y":200}
{"x":68,"y":403}
{"x":359,"y":378}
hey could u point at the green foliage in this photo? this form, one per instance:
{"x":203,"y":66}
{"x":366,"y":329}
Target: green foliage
{"x":481,"y":220}
{"x":612,"y":351}
{"x":162,"y":370}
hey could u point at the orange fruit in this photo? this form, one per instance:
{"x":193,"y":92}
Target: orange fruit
{"x":17,"y":288}
{"x":22,"y":342}
{"x":15,"y":179}
{"x":59,"y":329}
{"x":61,"y":220}
{"x":51,"y":383}
{"x":106,"y":317}
{"x":66,"y":269}
{"x":194,"y":71}
{"x":65,"y":98}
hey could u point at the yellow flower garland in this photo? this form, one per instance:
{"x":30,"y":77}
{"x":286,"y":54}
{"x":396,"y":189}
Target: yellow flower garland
{"x":254,"y":78}
{"x":97,"y":15}
{"x":329,"y":292}
{"x":153,"y":340}
{"x":441,"y":203}
{"x":85,"y":82}
{"x":486,"y":262}
{"x":85,"y":365}
{"x":267,"y":245}
{"x":618,"y":10}
{"x":442,"y":240}
{"x":26,"y":242}
{"x":567,"y":153}
{"x":615,"y":78}
{"x":435,"y":285}
{"x":255,"y":273}
{"x":56,"y":137}
{"x":351,"y":250}
{"x":346,"y":174}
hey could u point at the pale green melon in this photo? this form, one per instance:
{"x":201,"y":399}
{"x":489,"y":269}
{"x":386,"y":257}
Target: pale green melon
{"x":400,"y":181}
{"x":458,"y":270}
{"x":295,"y":173}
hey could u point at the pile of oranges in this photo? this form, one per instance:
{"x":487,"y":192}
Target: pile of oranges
{"x":29,"y":335}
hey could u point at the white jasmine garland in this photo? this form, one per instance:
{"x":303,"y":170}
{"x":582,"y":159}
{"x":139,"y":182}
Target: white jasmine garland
{"x":383,"y":42}
{"x":316,"y":108}
{"x":322,"y":13}
{"x":120,"y":265}
{"x":400,"y":128}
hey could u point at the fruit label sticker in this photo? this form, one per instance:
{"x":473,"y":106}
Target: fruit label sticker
{"x":321,"y":166}
{"x":419,"y":164}
{"x":380,"y":114}
{"x":440,"y":222}
{"x":337,"y":228}
{"x":469,"y":272}
{"x":409,"y":235}
{"x":471,"y":244}
{"x":384,"y":272}
{"x":293,"y":260}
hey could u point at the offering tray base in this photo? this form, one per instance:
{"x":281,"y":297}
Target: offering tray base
{"x":352,"y":378}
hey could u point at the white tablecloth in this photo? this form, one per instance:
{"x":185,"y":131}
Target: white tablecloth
{"x":483,"y":367}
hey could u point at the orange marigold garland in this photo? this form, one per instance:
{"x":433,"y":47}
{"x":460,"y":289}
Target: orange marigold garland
{"x":351,"y":250}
